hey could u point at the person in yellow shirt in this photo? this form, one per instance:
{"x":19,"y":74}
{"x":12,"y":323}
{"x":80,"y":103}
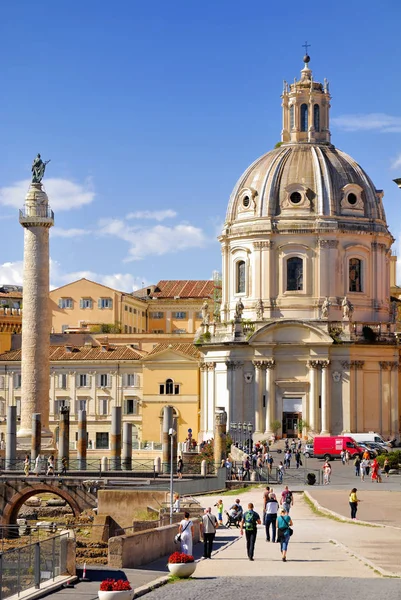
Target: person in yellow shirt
{"x":353,"y":502}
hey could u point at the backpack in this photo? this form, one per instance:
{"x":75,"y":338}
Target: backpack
{"x":250,"y":520}
{"x":288,"y":498}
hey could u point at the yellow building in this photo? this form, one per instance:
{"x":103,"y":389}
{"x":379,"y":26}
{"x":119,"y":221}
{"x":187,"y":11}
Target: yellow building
{"x":10,"y":309}
{"x":171,"y":378}
{"x":86,"y":305}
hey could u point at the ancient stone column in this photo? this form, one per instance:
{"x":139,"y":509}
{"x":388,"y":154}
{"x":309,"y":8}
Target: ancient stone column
{"x":82,"y":440}
{"x":220,"y":434}
{"x":115,"y":439}
{"x":64,"y":435}
{"x":270,"y":397}
{"x":167,"y":424}
{"x":127,"y":447}
{"x":313,"y":393}
{"x":325,"y":398}
{"x":36,"y":430}
{"x":36,"y":218}
{"x":11,"y":438}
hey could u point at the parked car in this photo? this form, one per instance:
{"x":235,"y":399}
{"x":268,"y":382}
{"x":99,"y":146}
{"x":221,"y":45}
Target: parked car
{"x":379,"y":448}
{"x":372,"y":453}
{"x":308,"y":450}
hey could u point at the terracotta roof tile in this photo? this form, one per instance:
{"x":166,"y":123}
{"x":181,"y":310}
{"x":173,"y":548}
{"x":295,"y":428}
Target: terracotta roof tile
{"x":197,"y":288}
{"x":86,"y":353}
{"x":188,"y":349}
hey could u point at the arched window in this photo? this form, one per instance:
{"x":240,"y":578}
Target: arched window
{"x":295,"y":268}
{"x":292,"y":117}
{"x":316,"y":117}
{"x":355,"y":275}
{"x":304,"y":117}
{"x":240,"y":278}
{"x":169,"y":388}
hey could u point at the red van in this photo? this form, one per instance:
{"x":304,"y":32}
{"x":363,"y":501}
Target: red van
{"x":330,"y":447}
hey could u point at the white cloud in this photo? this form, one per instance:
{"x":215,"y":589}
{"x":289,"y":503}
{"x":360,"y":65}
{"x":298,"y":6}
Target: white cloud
{"x":369,"y":122}
{"x":11,"y":273}
{"x":396,"y":164}
{"x":68,"y":233}
{"x":157,"y":240}
{"x":63,"y":194}
{"x":155,"y":215}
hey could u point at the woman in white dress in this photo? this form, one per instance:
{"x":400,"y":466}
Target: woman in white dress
{"x":186,"y":529}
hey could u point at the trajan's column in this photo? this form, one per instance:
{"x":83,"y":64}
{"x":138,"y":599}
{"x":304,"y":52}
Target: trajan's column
{"x":36,"y":217}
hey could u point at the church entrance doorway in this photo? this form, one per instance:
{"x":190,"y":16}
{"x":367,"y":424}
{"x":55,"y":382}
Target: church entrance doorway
{"x":292,"y":413}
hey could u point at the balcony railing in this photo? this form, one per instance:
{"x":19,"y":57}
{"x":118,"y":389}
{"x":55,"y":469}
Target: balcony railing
{"x":36,"y":214}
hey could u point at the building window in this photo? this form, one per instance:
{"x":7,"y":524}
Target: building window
{"x":81,"y":405}
{"x":132,"y":380}
{"x":177,"y":331}
{"x":169,"y":388}
{"x":2,"y":408}
{"x":102,"y":440}
{"x":62,"y":381}
{"x":295,"y":198}
{"x":131,"y":406}
{"x":352,"y":199}
{"x":292,"y":117}
{"x":179,"y":315}
{"x":125,"y":328}
{"x":198,"y":315}
{"x":294,"y":274}
{"x":156,"y":315}
{"x":17,"y":380}
{"x":240,"y":277}
{"x":18,"y":405}
{"x":103,"y":406}
{"x":135,"y":311}
{"x":125,"y":307}
{"x":59,"y":404}
{"x":157,"y":331}
{"x":2,"y":382}
{"x":83,"y":380}
{"x":104,"y":380}
{"x":316,"y":117}
{"x":304,"y":117}
{"x":85,"y":303}
{"x":65,"y":303}
{"x":355,"y":275}
{"x":105,"y":303}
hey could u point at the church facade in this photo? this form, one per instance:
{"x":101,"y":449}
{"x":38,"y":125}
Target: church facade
{"x":306,"y":341}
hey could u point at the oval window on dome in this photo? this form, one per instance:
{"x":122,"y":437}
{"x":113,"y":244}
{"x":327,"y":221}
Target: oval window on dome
{"x":246,"y":201}
{"x":295,"y":197}
{"x":352,"y":199}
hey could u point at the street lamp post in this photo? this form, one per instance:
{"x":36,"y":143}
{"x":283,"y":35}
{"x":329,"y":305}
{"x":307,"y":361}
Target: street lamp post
{"x":171,"y":433}
{"x":233,"y":428}
{"x":250,"y":428}
{"x":244,"y":429}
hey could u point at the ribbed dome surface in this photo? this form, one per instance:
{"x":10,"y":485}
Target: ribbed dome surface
{"x":320,"y":168}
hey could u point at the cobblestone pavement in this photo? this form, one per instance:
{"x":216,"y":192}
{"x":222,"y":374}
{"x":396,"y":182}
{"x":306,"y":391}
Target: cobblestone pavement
{"x":279,"y":588}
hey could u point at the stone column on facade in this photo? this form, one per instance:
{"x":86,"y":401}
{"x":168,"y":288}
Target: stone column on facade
{"x":36,"y":218}
{"x":203,"y":400}
{"x":225,"y":283}
{"x":82,"y":440}
{"x":211,"y":398}
{"x":230,"y":366}
{"x":359,"y":416}
{"x":220,"y":435}
{"x":258,"y":396}
{"x":257,"y":270}
{"x":270,"y":397}
{"x":11,"y":438}
{"x":326,"y":283}
{"x":64,"y":436}
{"x":267,"y":275}
{"x":115,"y":439}
{"x":394,"y":412}
{"x":36,"y":435}
{"x":72,"y":386}
{"x":313,"y":394}
{"x":325,"y":396}
{"x":127,"y":447}
{"x":346,"y":396}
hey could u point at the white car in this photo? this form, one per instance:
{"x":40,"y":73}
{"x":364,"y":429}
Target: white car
{"x":308,"y":450}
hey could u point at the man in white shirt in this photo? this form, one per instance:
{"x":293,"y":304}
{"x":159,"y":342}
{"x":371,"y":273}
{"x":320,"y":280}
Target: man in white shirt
{"x":271,"y":509}
{"x":208,"y":528}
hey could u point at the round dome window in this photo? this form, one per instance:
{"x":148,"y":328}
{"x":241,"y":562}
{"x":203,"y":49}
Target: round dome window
{"x":245,"y":201}
{"x":295,"y":197}
{"x":352,"y":199}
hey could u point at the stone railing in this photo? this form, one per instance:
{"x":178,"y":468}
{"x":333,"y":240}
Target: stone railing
{"x":10,"y":312}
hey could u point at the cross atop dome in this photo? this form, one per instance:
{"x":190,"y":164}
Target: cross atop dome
{"x":306,"y":57}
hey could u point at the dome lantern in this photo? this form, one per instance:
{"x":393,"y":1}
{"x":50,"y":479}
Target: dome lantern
{"x":306,"y":107}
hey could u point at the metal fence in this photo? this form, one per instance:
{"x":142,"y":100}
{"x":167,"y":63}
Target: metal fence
{"x":275,"y":475}
{"x":32,"y":565}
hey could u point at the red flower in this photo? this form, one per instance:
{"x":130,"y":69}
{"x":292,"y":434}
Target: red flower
{"x":180,"y":557}
{"x":111,"y":585}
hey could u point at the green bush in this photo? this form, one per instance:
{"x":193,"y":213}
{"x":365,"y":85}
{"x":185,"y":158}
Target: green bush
{"x":394,"y":459}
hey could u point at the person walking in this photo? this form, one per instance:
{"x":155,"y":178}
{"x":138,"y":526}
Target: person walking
{"x":27,"y":465}
{"x":284,"y":522}
{"x":180,"y":467}
{"x":38,"y":466}
{"x":64,"y":465}
{"x":280,"y":472}
{"x":220,"y":509}
{"x":353,"y":503}
{"x":342,"y":456}
{"x":177,"y":502}
{"x":247,"y":469}
{"x":208,"y":527}
{"x":386,"y":467}
{"x":271,"y":510}
{"x":50,"y":465}
{"x":287,"y":499}
{"x":326,"y":473}
{"x":250,"y":520}
{"x":357,"y":465}
{"x":186,"y":530}
{"x":298,"y":460}
{"x":347,"y":456}
{"x":363,"y":469}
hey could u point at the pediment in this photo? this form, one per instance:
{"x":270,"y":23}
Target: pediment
{"x":290,"y":332}
{"x":170,"y":356}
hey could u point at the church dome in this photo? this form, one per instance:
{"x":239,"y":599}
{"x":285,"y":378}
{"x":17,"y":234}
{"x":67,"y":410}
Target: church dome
{"x":309,"y":180}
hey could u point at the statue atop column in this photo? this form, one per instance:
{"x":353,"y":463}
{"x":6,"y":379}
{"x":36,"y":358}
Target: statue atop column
{"x":38,"y":169}
{"x":325,"y":308}
{"x":239,"y":309}
{"x":205,"y":313}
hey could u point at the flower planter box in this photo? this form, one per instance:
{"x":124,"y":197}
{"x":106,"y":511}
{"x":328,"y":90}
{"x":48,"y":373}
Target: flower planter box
{"x":113,"y":595}
{"x":182,"y":569}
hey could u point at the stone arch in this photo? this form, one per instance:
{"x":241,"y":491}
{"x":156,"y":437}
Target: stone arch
{"x":10,"y":512}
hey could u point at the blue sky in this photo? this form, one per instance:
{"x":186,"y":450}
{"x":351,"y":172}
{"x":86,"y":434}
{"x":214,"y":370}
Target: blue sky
{"x":150,"y":111}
